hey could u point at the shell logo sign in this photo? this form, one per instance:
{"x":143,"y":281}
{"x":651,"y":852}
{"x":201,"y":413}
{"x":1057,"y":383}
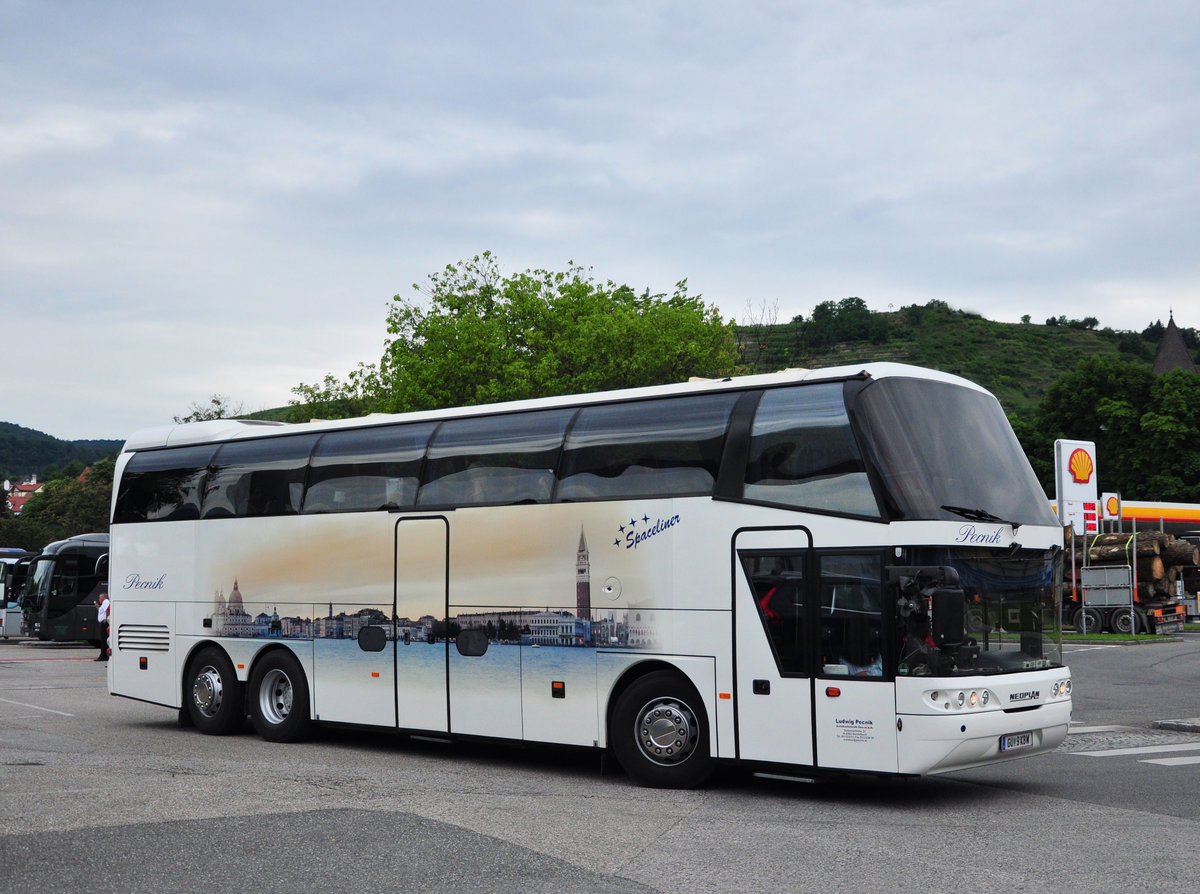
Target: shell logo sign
{"x":1112,"y":505}
{"x":1075,"y":485}
{"x":1080,"y":466}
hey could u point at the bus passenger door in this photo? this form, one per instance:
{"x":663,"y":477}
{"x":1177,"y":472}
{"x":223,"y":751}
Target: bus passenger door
{"x":422,"y":589}
{"x":774,"y":646}
{"x":855,"y":696}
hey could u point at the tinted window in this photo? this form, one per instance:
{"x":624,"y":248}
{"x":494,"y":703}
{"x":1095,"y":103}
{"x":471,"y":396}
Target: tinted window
{"x":652,"y":448}
{"x":162,"y":485}
{"x":494,"y":460}
{"x":777,"y":580}
{"x":939,"y":445}
{"x":263,"y":477}
{"x":803,"y":454}
{"x":851,"y":616}
{"x":366,"y":469}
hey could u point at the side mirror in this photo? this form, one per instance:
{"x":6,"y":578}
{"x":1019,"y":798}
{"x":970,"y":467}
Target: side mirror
{"x":949,"y":619}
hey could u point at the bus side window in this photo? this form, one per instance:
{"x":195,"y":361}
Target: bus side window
{"x":777,"y":582}
{"x":162,"y":485}
{"x":367,"y":469}
{"x":254,"y":478}
{"x":657,"y":448}
{"x":494,"y":460}
{"x":802,"y":453}
{"x":851,"y":615}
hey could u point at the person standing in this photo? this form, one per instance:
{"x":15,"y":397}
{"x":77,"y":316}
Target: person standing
{"x":102,"y":609}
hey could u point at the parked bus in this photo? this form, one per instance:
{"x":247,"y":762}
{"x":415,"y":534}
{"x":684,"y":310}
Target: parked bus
{"x":841,"y":569}
{"x":58,"y":597}
{"x":10,"y":608}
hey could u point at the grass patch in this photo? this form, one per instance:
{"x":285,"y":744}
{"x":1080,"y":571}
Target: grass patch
{"x":1113,"y":638}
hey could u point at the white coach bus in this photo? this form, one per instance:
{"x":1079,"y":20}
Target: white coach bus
{"x":839,"y":569}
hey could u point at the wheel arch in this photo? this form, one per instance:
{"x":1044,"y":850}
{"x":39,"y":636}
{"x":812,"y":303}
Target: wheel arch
{"x":689,"y":670}
{"x":185,"y":665}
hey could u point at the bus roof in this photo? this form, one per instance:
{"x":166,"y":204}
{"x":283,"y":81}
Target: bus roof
{"x":215,"y":430}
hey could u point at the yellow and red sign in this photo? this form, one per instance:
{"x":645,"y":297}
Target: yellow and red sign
{"x":1077,"y":496}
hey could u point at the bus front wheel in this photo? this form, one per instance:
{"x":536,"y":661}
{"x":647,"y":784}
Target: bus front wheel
{"x":279,"y":698}
{"x":214,"y":695}
{"x":659,"y":735}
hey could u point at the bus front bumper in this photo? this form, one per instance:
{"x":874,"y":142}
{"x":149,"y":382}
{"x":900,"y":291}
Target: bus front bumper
{"x":931,"y":744}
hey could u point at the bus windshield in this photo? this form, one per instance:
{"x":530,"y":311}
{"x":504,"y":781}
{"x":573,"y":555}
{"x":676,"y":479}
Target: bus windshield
{"x":37,"y":584}
{"x":947,"y":452}
{"x":989,"y":613}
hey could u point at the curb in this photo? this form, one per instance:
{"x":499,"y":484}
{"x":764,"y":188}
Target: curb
{"x":1189,"y":725}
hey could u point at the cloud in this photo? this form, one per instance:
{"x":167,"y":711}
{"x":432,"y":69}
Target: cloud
{"x":222,"y":199}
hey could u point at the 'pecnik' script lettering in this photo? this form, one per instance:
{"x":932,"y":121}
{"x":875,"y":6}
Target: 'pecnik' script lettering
{"x":971,"y":534}
{"x":136,"y":582}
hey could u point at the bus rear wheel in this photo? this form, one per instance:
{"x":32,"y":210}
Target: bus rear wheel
{"x":279,"y":698}
{"x":214,"y":695}
{"x":659,"y":734}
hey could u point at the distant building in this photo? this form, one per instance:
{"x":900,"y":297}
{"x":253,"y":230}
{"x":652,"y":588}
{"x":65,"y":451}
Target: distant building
{"x":1173,"y":353}
{"x":18,"y":495}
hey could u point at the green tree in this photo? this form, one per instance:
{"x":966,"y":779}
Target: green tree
{"x":1170,"y":429}
{"x":480,"y":337}
{"x":1146,"y":427}
{"x":218,"y":407}
{"x":359,"y":395}
{"x":63,"y":508}
{"x":847,"y":320}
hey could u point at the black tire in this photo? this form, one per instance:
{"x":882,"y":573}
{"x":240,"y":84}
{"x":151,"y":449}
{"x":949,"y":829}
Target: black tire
{"x":278,"y":698}
{"x":659,"y":732}
{"x":212,"y":693}
{"x":1095,"y":620}
{"x":1123,"y":621}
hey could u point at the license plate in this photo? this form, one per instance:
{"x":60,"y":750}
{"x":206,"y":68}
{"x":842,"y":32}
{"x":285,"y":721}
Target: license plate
{"x":1015,"y":741}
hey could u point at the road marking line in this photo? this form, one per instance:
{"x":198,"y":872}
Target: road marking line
{"x":1174,"y":761}
{"x":9,"y":701}
{"x":1146,"y":749}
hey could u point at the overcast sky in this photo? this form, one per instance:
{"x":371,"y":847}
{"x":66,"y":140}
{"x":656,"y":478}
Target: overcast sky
{"x":223,"y":197}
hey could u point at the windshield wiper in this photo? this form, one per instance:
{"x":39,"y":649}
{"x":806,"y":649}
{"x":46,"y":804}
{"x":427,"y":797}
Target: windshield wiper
{"x":981,"y":515}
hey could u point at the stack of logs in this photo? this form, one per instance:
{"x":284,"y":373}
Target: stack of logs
{"x":1161,"y":558}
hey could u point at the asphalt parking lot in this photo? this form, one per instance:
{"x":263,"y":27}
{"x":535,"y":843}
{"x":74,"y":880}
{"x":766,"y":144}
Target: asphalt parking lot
{"x":106,"y":794}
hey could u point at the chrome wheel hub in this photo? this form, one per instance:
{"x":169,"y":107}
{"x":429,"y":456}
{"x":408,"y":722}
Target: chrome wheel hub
{"x":667,"y":731}
{"x":275,"y":696}
{"x":207,"y":691}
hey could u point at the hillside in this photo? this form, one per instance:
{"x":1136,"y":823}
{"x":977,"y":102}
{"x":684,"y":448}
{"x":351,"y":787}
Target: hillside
{"x":1015,"y":361}
{"x":24,"y":451}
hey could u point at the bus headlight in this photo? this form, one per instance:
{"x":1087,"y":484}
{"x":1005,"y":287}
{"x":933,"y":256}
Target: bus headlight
{"x":959,"y":701}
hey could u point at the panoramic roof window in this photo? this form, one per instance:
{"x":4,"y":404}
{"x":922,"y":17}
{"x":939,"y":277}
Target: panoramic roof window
{"x":494,"y":460}
{"x":260,"y":477}
{"x":654,"y":448}
{"x":367,"y":469}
